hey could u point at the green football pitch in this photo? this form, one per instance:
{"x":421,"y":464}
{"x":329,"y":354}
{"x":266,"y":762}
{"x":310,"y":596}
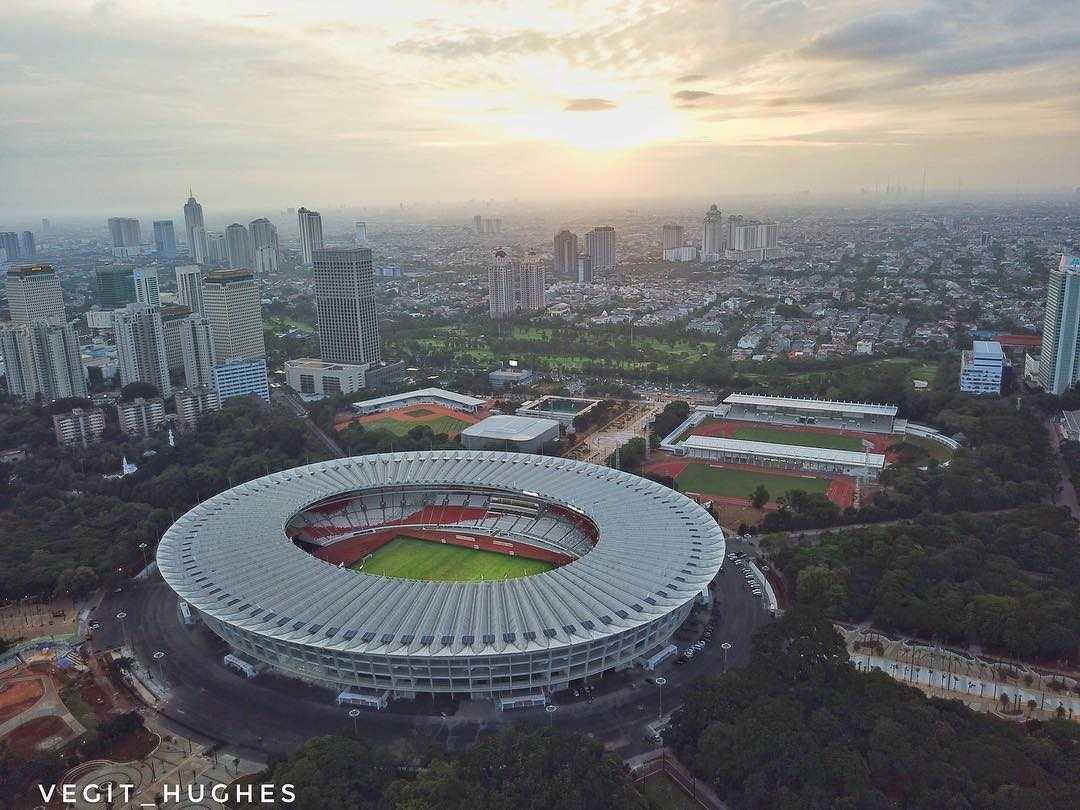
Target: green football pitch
{"x":399,"y":427}
{"x":800,"y":438}
{"x":737,"y":483}
{"x":410,"y":558}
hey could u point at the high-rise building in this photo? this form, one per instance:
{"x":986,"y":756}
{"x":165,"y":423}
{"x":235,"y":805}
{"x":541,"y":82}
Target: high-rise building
{"x":671,"y":236}
{"x":600,"y":245}
{"x":27,"y":248}
{"x":515,"y":286}
{"x":172,"y":319}
{"x":197,"y":351}
{"x":345,"y":301}
{"x":264,"y":246}
{"x":1059,"y":354}
{"x":196,"y":231}
{"x":478,"y":224}
{"x":238,"y":378}
{"x":42,"y":359}
{"x":9,"y":247}
{"x":80,"y":426}
{"x":751,"y":240}
{"x":217,"y":251}
{"x":147,"y":286}
{"x":45,"y":224}
{"x":311,"y":238}
{"x":139,"y":416}
{"x":125,"y":232}
{"x":982,"y":368}
{"x":140,"y":347}
{"x":532,"y":286}
{"x":237,"y":246}
{"x":232,"y":304}
{"x":165,"y":238}
{"x":34,"y":294}
{"x":712,"y":236}
{"x":566,"y":253}
{"x":361,"y":234}
{"x":115,"y":285}
{"x":584,"y":268}
{"x":192,"y":404}
{"x":189,"y":286}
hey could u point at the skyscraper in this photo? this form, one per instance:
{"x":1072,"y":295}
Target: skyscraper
{"x":532,"y":284}
{"x":345,"y":298}
{"x":125,"y":232}
{"x":584,"y":268}
{"x":1059,"y":354}
{"x":264,"y":246}
{"x":189,"y":287}
{"x":172,"y":319}
{"x":196,"y":231}
{"x":217,"y":251}
{"x":515,"y":286}
{"x":165,"y":238}
{"x":9,"y":246}
{"x":671,"y":236}
{"x":140,"y":347}
{"x":42,"y":359}
{"x":501,"y":293}
{"x":566,"y":251}
{"x":600,"y":245}
{"x":231,"y":303}
{"x":197,"y":350}
{"x":751,"y":240}
{"x":311,"y":238}
{"x":27,"y":248}
{"x":147,"y":286}
{"x":34,"y":294}
{"x":115,"y":285}
{"x":712,"y":236}
{"x":237,"y":246}
{"x":361,"y":234}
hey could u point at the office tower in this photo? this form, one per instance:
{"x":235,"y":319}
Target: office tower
{"x":196,"y":231}
{"x":45,"y":224}
{"x":264,"y":246}
{"x":239,"y":377}
{"x":80,"y":426}
{"x":584,"y":268}
{"x":1059,"y":355}
{"x":237,"y":246}
{"x":27,"y":248}
{"x":345,"y":300}
{"x":147,"y":286}
{"x":566,"y":252}
{"x":217,"y":251}
{"x":192,"y":404}
{"x":140,"y":347}
{"x":172,"y":318}
{"x":115,"y":285}
{"x":165,"y":238}
{"x":361,"y":234}
{"x":34,"y":293}
{"x":478,"y":224}
{"x":712,"y":236}
{"x":982,"y":368}
{"x":532,"y":286}
{"x":501,"y":286}
{"x":42,"y":359}
{"x":125,"y":232}
{"x":140,"y":417}
{"x":600,"y":245}
{"x":197,"y":351}
{"x":671,"y":236}
{"x":311,"y":238}
{"x":232,"y":305}
{"x":189,"y":286}
{"x":9,"y":246}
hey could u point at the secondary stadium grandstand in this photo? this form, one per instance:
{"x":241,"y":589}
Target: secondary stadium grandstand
{"x":790,"y":410}
{"x":423,"y":396}
{"x":264,"y":564}
{"x":784,"y":456}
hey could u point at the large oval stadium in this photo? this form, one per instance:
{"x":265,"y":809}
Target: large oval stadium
{"x":485,"y":574}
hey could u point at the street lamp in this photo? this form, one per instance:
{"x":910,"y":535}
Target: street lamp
{"x":158,"y":656}
{"x":550,"y":710}
{"x":123,"y":629}
{"x":355,"y":713}
{"x":660,"y":696}
{"x":724,"y":650}
{"x":142,"y":548}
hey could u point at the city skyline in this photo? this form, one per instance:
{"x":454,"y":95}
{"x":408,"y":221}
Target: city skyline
{"x":589,"y":101}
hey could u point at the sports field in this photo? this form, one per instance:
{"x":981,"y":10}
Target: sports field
{"x":399,"y":427}
{"x":410,"y":558}
{"x":730,"y":482}
{"x":802,"y":437}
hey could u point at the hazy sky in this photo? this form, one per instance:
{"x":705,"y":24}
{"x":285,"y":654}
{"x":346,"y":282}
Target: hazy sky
{"x":117,"y":106}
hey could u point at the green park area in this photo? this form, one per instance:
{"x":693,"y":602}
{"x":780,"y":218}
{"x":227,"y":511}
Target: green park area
{"x":399,"y":427}
{"x":728,"y":482}
{"x":411,"y":558}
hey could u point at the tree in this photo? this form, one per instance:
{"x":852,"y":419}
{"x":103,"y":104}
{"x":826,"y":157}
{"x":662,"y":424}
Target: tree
{"x":138,"y":389}
{"x":759,"y":497}
{"x":77,"y":582}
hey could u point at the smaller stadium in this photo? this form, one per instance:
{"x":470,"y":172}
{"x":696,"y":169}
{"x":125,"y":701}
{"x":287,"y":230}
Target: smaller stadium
{"x":724,"y":452}
{"x":441,"y":410}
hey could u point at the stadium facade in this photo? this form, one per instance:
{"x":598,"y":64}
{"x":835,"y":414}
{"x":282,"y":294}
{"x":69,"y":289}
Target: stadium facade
{"x":634,"y":557}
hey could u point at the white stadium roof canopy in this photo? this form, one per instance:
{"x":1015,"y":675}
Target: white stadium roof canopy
{"x":820,"y":405}
{"x":786,"y":451}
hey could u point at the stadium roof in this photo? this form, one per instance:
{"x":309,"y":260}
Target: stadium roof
{"x":510,"y":428}
{"x":823,"y":405}
{"x":229,"y":557}
{"x":437,"y":393}
{"x":786,"y":451}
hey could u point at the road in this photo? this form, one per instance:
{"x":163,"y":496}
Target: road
{"x":286,"y":399}
{"x":253,"y":718}
{"x":1066,"y":494}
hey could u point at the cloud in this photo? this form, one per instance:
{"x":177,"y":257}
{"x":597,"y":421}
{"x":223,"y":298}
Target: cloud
{"x":589,"y":105}
{"x":690,"y":78}
{"x":998,"y":56}
{"x":475,"y":43}
{"x":882,"y":36}
{"x":697,"y":99}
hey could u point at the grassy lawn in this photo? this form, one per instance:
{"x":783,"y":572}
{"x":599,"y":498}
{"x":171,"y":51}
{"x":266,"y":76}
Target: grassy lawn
{"x":936,"y":450}
{"x":777,"y":435}
{"x":666,"y":795}
{"x":410,"y":558}
{"x":441,"y":424}
{"x":735,"y":483}
{"x":280,"y":322}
